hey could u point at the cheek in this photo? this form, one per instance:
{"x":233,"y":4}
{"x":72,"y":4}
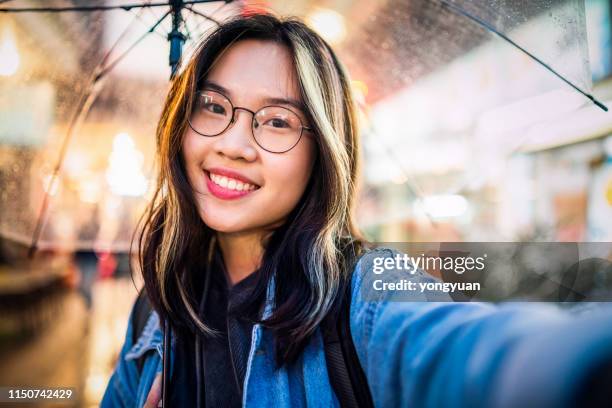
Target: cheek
{"x":194,"y":149}
{"x":189,"y":147}
{"x":289,"y":173}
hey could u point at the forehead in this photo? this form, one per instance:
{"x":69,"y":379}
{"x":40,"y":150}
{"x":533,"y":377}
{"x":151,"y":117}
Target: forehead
{"x":258,"y":68}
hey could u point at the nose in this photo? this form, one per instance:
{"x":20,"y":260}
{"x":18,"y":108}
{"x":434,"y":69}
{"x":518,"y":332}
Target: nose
{"x":237,"y":142}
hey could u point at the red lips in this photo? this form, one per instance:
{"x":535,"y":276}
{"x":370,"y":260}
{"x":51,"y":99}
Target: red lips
{"x":231,"y":174}
{"x":226,"y":193}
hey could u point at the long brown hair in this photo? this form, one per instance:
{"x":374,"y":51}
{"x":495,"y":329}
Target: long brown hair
{"x":306,"y":256}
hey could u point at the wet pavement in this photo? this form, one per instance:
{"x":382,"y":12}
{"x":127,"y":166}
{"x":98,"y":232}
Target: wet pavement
{"x":78,"y":348}
{"x":55,"y":357}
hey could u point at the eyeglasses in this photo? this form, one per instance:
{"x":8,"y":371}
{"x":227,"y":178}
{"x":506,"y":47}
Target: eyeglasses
{"x":275,"y":129}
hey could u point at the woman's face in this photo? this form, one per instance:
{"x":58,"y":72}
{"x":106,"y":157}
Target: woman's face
{"x":238,"y":186}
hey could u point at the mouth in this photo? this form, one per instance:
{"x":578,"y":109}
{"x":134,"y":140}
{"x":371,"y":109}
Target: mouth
{"x":226,"y":185}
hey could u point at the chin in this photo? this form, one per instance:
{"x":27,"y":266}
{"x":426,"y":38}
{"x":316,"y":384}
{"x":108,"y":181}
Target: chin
{"x":228,"y":220}
{"x":222,"y":223}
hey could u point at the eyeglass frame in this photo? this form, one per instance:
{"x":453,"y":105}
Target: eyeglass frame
{"x":231,"y":122}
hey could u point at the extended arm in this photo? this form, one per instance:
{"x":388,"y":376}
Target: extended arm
{"x":424,"y":354}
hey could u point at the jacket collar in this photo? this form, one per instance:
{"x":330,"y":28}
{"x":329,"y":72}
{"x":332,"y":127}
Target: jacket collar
{"x":152,"y":336}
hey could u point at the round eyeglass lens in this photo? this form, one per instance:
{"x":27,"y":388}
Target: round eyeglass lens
{"x":276,"y":129}
{"x":212,"y":113}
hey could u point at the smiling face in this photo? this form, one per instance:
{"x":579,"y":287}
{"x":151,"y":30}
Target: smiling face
{"x":238,"y":186}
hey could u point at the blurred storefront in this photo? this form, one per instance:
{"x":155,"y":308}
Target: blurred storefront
{"x":476,"y":142}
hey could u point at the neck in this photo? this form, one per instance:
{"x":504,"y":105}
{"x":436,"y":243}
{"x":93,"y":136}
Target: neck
{"x":242,"y":253}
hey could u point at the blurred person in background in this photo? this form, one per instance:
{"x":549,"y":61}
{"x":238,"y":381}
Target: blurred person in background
{"x":249,"y":247}
{"x":85,"y":255}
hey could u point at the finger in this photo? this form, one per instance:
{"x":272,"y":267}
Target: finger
{"x":154,"y":396}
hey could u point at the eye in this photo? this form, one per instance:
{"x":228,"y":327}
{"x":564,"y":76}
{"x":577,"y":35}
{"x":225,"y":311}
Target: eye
{"x":214,"y":108}
{"x":277,"y":123}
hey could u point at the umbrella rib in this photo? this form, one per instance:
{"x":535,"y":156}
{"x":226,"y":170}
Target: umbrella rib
{"x":112,"y":65}
{"x":121,"y":36}
{"x":85,"y":102}
{"x":190,"y":8}
{"x":489,"y":27}
{"x":196,"y":30}
{"x":87,"y":99}
{"x":125,"y":7}
{"x":188,"y":34}
{"x":140,"y":18}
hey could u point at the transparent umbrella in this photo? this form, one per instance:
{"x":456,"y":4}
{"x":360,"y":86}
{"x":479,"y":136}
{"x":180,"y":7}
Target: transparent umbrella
{"x":449,"y":88}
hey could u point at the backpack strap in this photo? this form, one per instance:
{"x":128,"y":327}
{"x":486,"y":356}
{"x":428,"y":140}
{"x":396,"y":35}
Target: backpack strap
{"x":345,"y":372}
{"x":142,"y":310}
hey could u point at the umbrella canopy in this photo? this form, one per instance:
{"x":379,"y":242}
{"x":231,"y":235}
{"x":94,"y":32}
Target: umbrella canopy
{"x":444,"y":86}
{"x":457,"y":91}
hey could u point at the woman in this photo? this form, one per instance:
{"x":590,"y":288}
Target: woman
{"x":249,"y":244}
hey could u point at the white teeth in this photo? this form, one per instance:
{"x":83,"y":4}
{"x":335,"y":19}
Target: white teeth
{"x":231,"y":184}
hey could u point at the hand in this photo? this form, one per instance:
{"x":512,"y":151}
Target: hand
{"x":154,"y":397}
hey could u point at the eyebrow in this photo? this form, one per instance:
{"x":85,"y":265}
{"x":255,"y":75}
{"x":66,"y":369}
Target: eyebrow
{"x":272,"y":101}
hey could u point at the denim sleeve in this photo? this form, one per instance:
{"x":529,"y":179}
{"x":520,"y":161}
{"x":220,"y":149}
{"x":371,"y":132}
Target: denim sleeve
{"x":444,"y":354}
{"x":121,"y":390}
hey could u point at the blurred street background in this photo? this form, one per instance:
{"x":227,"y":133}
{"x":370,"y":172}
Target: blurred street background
{"x":465,"y":138}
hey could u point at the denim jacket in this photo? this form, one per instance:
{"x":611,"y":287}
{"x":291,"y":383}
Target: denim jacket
{"x":427,"y":352}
